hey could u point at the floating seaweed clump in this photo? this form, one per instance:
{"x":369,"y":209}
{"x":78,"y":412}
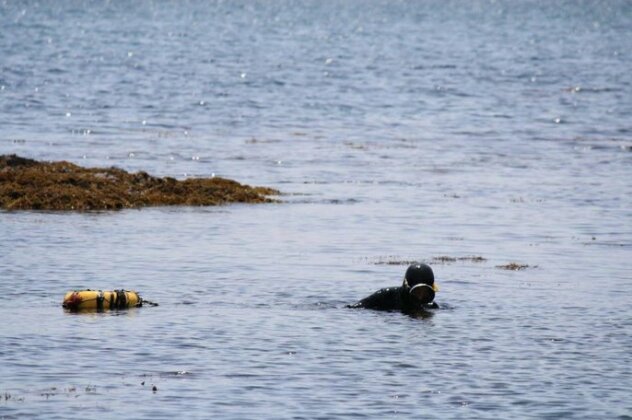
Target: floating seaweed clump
{"x":393,"y":260}
{"x":26,"y":184}
{"x":513,"y":266}
{"x":447,"y":259}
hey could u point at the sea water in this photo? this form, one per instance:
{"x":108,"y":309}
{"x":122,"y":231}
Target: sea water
{"x":437,"y":131}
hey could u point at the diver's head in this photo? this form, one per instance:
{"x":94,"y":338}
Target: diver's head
{"x":419,"y":282}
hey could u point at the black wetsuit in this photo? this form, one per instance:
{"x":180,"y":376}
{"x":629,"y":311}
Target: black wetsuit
{"x":393,"y":299}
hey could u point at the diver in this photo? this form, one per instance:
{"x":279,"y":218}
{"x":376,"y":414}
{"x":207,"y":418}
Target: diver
{"x":417,"y":293}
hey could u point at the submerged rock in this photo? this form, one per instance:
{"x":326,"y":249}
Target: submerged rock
{"x":26,"y":184}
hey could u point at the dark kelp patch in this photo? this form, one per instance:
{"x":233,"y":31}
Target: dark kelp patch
{"x":390,"y":260}
{"x":514,"y":266}
{"x":446,"y":259}
{"x":26,"y":184}
{"x":394,"y":260}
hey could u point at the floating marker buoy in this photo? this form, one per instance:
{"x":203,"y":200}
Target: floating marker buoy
{"x":99,"y":300}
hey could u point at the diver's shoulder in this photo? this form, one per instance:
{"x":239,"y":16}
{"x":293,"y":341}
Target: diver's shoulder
{"x":386,"y":299}
{"x":386,"y":290}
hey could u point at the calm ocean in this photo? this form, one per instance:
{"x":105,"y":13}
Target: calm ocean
{"x":397,"y":130}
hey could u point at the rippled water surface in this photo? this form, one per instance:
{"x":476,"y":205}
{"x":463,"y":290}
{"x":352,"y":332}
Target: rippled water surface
{"x":397,"y":131}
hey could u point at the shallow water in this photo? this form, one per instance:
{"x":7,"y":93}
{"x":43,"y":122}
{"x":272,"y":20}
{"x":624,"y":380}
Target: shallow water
{"x":398,"y":131}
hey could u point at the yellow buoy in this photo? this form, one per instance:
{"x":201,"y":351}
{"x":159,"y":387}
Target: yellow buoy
{"x":99,"y":300}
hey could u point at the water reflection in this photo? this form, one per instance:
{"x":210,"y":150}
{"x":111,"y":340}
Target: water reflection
{"x":421,"y":313}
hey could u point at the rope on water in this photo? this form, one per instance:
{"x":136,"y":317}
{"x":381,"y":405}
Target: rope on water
{"x":148,"y":302}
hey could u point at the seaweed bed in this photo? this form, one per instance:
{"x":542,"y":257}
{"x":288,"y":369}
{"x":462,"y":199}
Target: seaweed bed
{"x":445,"y":259}
{"x":26,"y":184}
{"x":392,"y":260}
{"x":513,"y":266}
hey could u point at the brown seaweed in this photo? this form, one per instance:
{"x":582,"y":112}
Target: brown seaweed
{"x":513,"y":266}
{"x":26,"y":184}
{"x":444,"y":259}
{"x":447,"y":259}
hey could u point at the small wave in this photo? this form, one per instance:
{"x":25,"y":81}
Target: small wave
{"x":579,"y":89}
{"x":435,"y":67}
{"x":176,"y":373}
{"x":611,"y":244}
